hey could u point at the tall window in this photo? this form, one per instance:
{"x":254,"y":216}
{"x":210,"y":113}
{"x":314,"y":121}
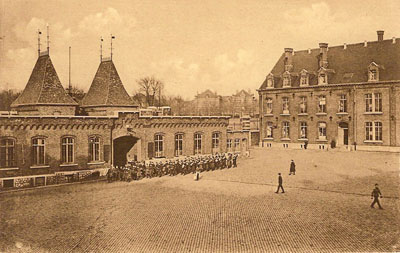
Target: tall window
{"x":321,"y":104}
{"x":369,"y":131}
{"x":94,"y":149}
{"x":373,"y":131}
{"x":378,"y":131}
{"x":229,"y":144}
{"x":285,"y":129}
{"x":322,"y":131}
{"x":67,"y":150}
{"x":159,"y":145}
{"x":303,"y":105}
{"x":269,"y":129}
{"x":237,"y":143}
{"x":215,"y":142}
{"x":343,"y":103}
{"x":7,"y":153}
{"x":303,"y":130}
{"x":269,"y":106}
{"x":373,"y":102}
{"x":178,"y":144}
{"x":285,"y":105}
{"x":38,"y":152}
{"x":197,"y":143}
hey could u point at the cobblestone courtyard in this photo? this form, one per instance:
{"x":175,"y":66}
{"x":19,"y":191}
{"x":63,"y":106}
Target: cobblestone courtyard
{"x":325,"y":208}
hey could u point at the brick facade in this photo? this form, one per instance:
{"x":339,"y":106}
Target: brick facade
{"x":364,"y":75}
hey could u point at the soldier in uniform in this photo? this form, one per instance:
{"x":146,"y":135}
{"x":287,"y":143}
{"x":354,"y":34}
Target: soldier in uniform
{"x":375,"y":194}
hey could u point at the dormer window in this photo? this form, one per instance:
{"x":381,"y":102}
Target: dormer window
{"x":270,"y":81}
{"x":304,"y":78}
{"x":286,"y":80}
{"x":373,"y":72}
{"x":322,"y":77}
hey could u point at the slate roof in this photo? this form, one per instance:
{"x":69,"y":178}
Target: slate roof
{"x":348,"y":65}
{"x":44,"y":86}
{"x":106,"y":88}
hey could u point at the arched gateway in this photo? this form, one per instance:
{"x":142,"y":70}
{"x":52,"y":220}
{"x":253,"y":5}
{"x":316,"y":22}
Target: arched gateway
{"x":125,"y":148}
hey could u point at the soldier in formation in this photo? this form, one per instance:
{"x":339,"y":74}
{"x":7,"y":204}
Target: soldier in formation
{"x":138,"y":170}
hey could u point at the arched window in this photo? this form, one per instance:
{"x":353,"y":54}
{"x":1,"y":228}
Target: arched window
{"x":197,"y":143}
{"x":7,"y":152}
{"x":38,"y":151}
{"x":94,"y":149}
{"x":159,"y":145}
{"x":67,"y":150}
{"x":178,"y":144}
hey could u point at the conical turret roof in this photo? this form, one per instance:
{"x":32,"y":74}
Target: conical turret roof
{"x":44,"y":86}
{"x":106,"y":88}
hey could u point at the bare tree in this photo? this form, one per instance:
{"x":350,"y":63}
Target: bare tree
{"x":152,"y":88}
{"x":6,"y":98}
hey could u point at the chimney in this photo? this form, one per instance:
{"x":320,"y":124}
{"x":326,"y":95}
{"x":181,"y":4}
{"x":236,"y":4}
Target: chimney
{"x":288,"y":59}
{"x":380,"y":35}
{"x":323,"y":60}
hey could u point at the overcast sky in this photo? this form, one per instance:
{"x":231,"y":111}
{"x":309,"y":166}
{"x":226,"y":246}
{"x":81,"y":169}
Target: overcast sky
{"x":192,"y":45}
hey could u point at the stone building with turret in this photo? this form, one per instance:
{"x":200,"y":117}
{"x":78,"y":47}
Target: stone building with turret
{"x":45,"y":142}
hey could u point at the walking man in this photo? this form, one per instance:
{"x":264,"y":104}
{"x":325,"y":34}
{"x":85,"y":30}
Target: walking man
{"x":292,"y":168}
{"x":280,"y":184}
{"x":375,"y":195}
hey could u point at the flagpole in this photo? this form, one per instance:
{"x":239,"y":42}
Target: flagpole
{"x":38,"y":42}
{"x":111,"y":45}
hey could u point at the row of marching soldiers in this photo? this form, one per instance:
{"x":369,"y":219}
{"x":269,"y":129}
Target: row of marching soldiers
{"x":138,"y":170}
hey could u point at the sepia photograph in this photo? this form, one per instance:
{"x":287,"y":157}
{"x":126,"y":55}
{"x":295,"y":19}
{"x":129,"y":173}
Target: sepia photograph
{"x":199,"y":126}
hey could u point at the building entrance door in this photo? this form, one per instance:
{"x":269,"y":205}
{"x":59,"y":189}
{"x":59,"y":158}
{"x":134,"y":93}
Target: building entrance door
{"x":343,"y":134}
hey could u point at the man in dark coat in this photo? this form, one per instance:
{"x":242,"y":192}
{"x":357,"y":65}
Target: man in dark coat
{"x":292,"y":168}
{"x":375,"y":195}
{"x":280,"y":184}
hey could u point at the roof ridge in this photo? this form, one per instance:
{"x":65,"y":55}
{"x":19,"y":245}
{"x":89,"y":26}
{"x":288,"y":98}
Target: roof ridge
{"x":341,"y":45}
{"x":42,"y":81}
{"x":109,"y":79}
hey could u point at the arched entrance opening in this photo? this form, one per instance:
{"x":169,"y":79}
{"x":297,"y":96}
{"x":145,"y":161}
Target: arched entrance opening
{"x":124,"y":150}
{"x":343,"y":133}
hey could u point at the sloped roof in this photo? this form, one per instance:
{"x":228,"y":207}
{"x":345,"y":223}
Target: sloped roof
{"x":106,"y":88}
{"x":207,"y":93}
{"x":348,"y":65}
{"x":44,"y":86}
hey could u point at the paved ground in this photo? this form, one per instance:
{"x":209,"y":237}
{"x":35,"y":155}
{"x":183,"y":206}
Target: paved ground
{"x":326,"y":208}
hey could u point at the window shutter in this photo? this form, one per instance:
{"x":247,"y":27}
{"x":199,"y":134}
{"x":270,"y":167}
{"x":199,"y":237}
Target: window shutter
{"x":106,"y":153}
{"x":150,"y":149}
{"x":19,"y":156}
